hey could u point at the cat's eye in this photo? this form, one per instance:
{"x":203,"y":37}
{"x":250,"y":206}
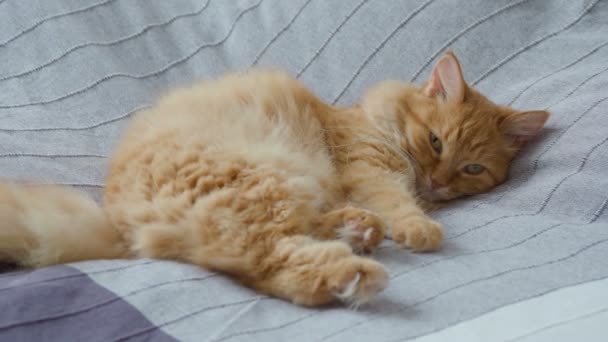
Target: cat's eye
{"x":474,"y":169}
{"x":435,"y":142}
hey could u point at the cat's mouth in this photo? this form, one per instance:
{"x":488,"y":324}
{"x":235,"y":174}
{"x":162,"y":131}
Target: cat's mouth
{"x":431,"y":196}
{"x":427,"y":193}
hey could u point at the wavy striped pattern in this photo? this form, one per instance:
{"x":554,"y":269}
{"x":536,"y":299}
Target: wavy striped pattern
{"x":74,"y":71}
{"x":132,"y":36}
{"x":53,"y":17}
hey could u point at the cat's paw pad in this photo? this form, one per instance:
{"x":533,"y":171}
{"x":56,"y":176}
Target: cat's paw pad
{"x":419,"y":234}
{"x":362,"y":229}
{"x":358,"y":281}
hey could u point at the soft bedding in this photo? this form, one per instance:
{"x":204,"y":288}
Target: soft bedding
{"x":527,"y":262}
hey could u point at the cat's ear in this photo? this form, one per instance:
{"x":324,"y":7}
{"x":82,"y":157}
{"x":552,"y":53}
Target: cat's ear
{"x":520,"y":127}
{"x":447,"y":79}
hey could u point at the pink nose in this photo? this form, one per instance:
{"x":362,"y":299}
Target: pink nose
{"x":436,"y":184}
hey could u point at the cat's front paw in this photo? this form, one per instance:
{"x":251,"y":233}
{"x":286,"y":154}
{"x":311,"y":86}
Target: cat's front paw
{"x":418,"y":233}
{"x":362,"y":229}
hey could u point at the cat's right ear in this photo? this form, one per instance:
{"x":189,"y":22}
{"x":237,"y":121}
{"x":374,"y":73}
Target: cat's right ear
{"x":521,"y":127}
{"x":447,"y":79}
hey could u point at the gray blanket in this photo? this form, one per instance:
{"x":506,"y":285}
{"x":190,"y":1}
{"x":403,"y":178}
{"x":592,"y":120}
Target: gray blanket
{"x":72,"y":72}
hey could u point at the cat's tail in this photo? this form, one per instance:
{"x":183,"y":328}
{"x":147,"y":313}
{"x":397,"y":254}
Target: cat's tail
{"x":46,"y":225}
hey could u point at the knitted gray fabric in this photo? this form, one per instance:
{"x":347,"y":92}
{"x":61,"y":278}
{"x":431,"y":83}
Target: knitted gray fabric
{"x":73,"y":71}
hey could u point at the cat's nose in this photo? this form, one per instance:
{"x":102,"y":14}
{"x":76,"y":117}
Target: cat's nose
{"x":435,"y":184}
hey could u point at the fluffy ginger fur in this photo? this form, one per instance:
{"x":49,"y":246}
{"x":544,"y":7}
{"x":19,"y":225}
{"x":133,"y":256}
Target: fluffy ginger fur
{"x":254,"y":176}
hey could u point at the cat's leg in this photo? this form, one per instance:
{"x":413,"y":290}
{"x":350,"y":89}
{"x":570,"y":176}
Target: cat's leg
{"x":362,"y":229}
{"x":260,"y":232}
{"x":297,"y":268}
{"x":312,"y":273}
{"x":386,"y":194}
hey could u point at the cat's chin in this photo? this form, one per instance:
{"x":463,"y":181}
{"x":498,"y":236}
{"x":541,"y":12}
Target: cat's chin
{"x":434,"y":196}
{"x":431,"y":196}
{"x":425,"y":192}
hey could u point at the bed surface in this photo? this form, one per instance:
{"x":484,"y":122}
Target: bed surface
{"x":527,"y":262}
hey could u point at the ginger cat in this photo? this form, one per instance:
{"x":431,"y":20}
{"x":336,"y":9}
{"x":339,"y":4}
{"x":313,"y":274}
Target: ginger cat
{"x":254,"y":176}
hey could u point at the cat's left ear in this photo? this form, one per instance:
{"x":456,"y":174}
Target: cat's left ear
{"x":447,"y":79}
{"x":520,"y":127}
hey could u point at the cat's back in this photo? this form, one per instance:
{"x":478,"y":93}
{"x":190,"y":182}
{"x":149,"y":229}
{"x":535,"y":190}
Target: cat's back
{"x":240,"y":120}
{"x":238,"y":106}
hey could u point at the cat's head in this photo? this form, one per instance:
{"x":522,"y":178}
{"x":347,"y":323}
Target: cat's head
{"x":461,"y":142}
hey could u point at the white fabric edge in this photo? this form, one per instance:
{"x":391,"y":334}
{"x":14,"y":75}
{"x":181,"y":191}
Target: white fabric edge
{"x":538,"y":319}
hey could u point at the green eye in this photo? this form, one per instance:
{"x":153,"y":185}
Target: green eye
{"x":435,"y":142}
{"x":474,"y":169}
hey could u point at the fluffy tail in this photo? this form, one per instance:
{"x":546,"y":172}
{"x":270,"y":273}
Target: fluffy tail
{"x":41,"y":226}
